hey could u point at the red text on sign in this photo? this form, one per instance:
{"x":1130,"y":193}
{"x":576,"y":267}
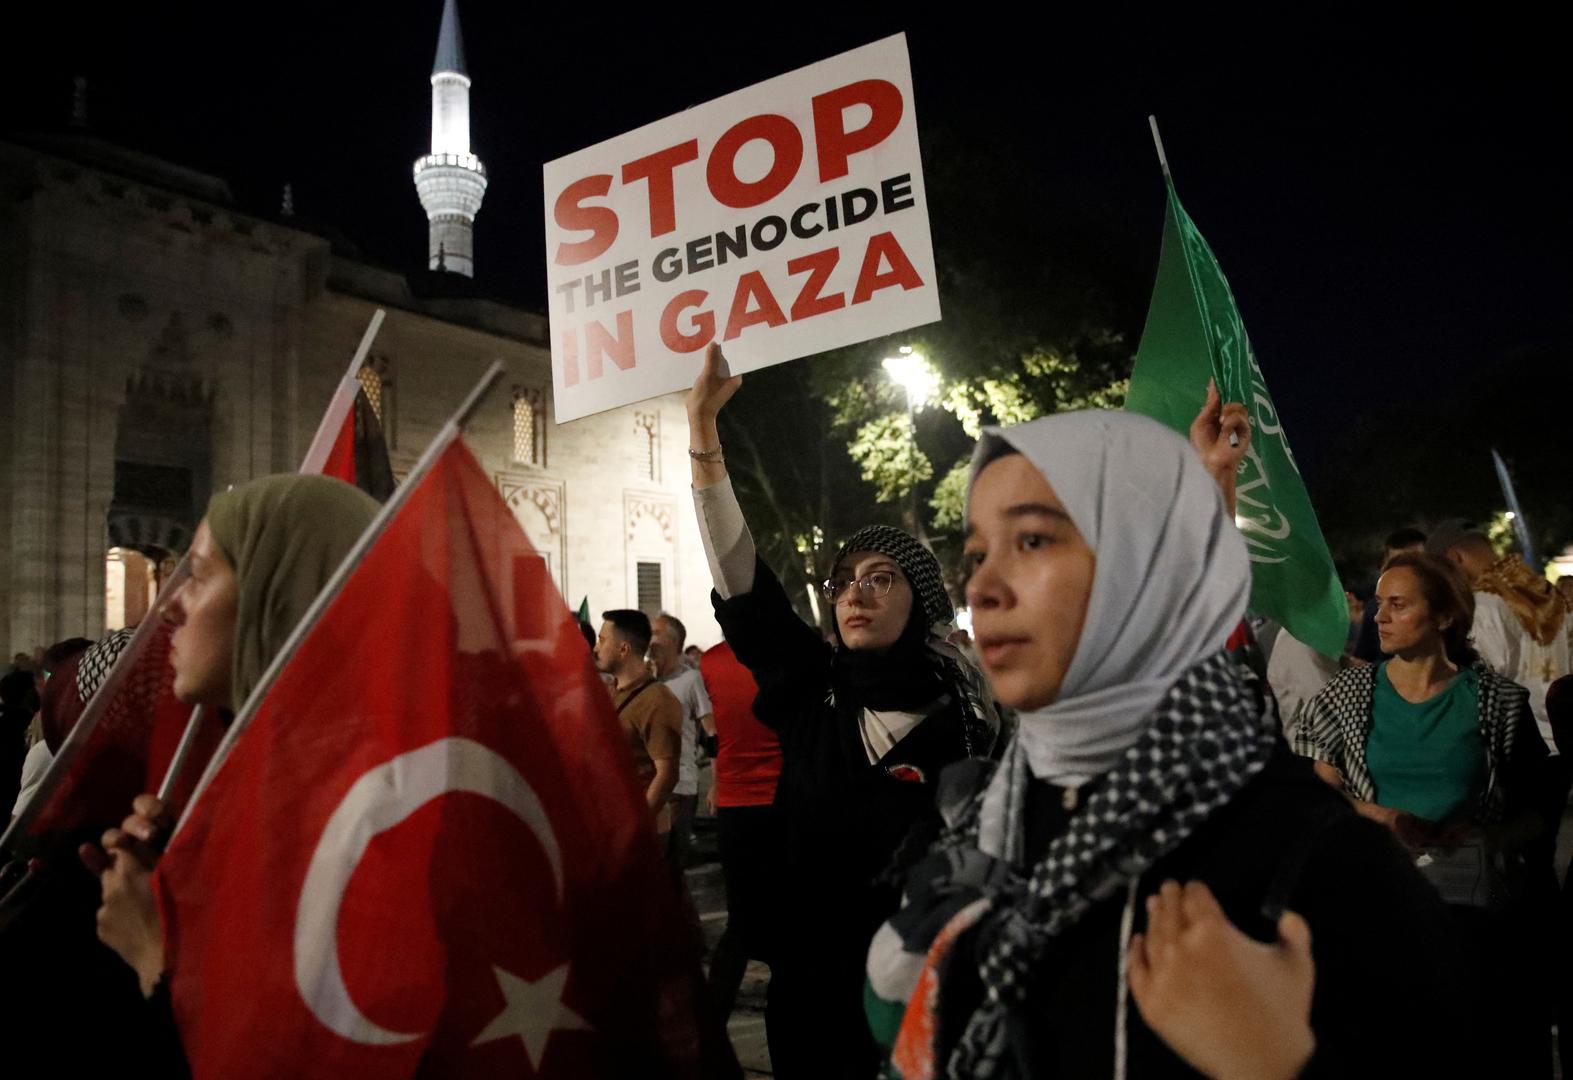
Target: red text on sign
{"x":599,"y":344}
{"x":834,"y":145}
{"x":885,"y":265}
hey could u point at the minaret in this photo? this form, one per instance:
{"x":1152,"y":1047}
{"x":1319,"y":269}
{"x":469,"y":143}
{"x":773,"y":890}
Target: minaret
{"x":450,"y":180}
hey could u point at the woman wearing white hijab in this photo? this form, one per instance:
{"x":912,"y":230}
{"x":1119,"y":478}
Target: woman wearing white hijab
{"x":1107,"y":577}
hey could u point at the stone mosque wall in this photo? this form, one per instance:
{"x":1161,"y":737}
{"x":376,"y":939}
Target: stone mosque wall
{"x":157,"y":346}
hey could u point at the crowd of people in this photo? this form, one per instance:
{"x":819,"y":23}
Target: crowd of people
{"x":1120,"y":830}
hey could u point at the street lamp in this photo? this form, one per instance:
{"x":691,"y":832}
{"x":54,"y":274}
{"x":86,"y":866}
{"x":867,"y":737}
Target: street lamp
{"x":915,"y":375}
{"x":919,"y":383}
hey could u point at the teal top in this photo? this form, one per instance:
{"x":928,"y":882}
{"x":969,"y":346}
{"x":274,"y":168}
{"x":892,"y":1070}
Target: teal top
{"x":1427,"y":757}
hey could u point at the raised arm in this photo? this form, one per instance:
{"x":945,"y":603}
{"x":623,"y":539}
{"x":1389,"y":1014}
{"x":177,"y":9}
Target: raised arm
{"x":729,"y":547}
{"x":1210,"y":436}
{"x":788,"y":659}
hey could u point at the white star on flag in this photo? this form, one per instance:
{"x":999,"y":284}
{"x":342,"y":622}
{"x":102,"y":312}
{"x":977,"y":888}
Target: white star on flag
{"x":533,"y":1011}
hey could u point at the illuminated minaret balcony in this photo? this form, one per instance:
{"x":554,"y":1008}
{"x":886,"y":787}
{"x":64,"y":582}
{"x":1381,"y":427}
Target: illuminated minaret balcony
{"x":451,"y":181}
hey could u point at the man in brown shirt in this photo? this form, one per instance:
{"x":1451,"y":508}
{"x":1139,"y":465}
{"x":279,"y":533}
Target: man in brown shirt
{"x":651,"y":715}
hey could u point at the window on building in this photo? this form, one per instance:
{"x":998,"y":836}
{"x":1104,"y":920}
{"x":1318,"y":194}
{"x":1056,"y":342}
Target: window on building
{"x":648,"y":578}
{"x":371,"y":382}
{"x":130,"y":584}
{"x":529,"y":426}
{"x":647,"y":429}
{"x":375,"y":380}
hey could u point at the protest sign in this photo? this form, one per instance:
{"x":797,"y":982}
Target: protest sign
{"x":781,"y":220}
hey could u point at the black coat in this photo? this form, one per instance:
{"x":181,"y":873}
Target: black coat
{"x":842,"y":819}
{"x":1390,"y":1000}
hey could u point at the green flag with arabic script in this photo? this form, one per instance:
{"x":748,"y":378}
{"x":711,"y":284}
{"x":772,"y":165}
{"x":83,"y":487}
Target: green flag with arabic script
{"x":1193,"y":332}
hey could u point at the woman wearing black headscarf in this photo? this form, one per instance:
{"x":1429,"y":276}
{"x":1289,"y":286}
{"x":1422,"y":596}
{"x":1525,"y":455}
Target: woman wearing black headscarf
{"x":866,"y":724}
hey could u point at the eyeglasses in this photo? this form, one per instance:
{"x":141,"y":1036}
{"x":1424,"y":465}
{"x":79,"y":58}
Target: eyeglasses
{"x":876,"y":584}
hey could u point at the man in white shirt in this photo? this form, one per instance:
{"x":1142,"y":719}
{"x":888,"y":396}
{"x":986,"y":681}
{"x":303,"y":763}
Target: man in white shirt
{"x":34,"y":766}
{"x":667,"y":638}
{"x":1521,"y":620}
{"x":1296,"y":672}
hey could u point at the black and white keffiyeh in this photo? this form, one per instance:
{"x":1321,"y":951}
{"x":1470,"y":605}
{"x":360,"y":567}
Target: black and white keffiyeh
{"x":1205,"y":741}
{"x":1161,"y":724}
{"x":1337,"y":723}
{"x":932,"y":621}
{"x":1209,"y":735}
{"x":94,"y":666}
{"x":916,"y":561}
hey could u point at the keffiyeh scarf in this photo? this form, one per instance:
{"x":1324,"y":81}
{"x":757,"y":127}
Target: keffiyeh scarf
{"x":1209,"y":735}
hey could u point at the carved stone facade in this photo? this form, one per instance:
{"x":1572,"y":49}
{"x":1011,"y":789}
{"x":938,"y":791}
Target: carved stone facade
{"x":157,"y":345}
{"x":650,"y":533}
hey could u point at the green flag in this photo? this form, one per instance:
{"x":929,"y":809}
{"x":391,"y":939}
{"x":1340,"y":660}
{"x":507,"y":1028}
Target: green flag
{"x":1194,"y":332}
{"x":584,"y":610}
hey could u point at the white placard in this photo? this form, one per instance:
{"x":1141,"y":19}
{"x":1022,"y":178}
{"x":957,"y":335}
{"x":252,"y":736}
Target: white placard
{"x":782,"y":220}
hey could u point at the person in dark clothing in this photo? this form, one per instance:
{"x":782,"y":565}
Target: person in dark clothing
{"x":1444,"y":751}
{"x":59,"y":971}
{"x":1148,"y":883}
{"x":1559,"y":711}
{"x":866,"y":723}
{"x":747,"y":767}
{"x":18,"y":703}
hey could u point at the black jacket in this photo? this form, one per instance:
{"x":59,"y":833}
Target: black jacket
{"x":842,"y":817}
{"x":1390,"y":997}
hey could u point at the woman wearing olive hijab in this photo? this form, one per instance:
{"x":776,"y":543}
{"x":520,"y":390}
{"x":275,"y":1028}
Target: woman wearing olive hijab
{"x":1047,"y":932}
{"x":258,"y":560}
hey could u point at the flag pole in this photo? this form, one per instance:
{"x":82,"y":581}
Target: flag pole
{"x":316,"y":457}
{"x":341,"y":402}
{"x":177,"y":764}
{"x":1520,"y":526}
{"x":1163,"y":163}
{"x":1157,"y":141}
{"x":445,"y":438}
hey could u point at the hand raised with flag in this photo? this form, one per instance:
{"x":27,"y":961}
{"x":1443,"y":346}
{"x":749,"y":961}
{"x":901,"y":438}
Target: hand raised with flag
{"x":435,"y":868}
{"x":128,"y":915}
{"x":1221,"y":437}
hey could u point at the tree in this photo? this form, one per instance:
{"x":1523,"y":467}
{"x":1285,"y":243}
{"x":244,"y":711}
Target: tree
{"x":824,"y":445}
{"x":799,"y":490}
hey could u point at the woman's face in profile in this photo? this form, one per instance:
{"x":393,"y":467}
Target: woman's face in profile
{"x":1403,"y":618}
{"x":203,"y":610}
{"x":1031,"y":576}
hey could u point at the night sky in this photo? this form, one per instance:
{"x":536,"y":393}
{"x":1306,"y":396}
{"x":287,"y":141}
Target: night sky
{"x":1387,"y":199}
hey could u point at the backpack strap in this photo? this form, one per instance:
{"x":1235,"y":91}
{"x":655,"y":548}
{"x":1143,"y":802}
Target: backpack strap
{"x":629,"y":700}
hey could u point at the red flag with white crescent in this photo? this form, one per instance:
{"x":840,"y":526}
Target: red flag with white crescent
{"x":126,"y":742}
{"x":426,"y":851}
{"x":126,"y":750}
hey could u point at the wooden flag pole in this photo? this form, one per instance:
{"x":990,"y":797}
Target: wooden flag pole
{"x":450,"y":431}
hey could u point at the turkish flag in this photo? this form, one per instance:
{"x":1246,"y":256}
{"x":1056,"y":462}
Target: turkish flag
{"x":125,"y":742}
{"x":426,"y":852}
{"x":122,"y":747}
